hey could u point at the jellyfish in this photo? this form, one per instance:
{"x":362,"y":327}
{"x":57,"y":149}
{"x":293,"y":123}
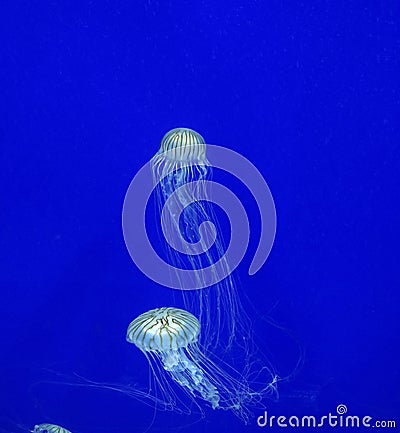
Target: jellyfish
{"x":49,"y":428}
{"x":21,"y":427}
{"x":181,"y":173}
{"x":169,"y":338}
{"x":183,"y":378}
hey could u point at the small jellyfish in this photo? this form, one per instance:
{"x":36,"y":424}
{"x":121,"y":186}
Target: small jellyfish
{"x":49,"y":428}
{"x":168,"y":337}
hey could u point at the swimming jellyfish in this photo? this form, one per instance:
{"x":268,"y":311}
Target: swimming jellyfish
{"x":181,"y":172}
{"x":49,"y":428}
{"x":168,"y":337}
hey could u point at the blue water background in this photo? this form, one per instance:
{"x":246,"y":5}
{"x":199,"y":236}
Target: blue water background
{"x":307,"y":91}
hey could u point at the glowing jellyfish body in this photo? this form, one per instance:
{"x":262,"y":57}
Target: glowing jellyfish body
{"x":49,"y":428}
{"x":168,"y":337}
{"x":181,"y":172}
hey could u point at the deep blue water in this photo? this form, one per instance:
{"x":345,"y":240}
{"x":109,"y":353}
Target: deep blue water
{"x":307,"y":91}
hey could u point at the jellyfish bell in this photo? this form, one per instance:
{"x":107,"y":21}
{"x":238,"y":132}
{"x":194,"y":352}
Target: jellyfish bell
{"x":180,"y":159}
{"x":180,"y":145}
{"x":49,"y":428}
{"x":163,"y":329}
